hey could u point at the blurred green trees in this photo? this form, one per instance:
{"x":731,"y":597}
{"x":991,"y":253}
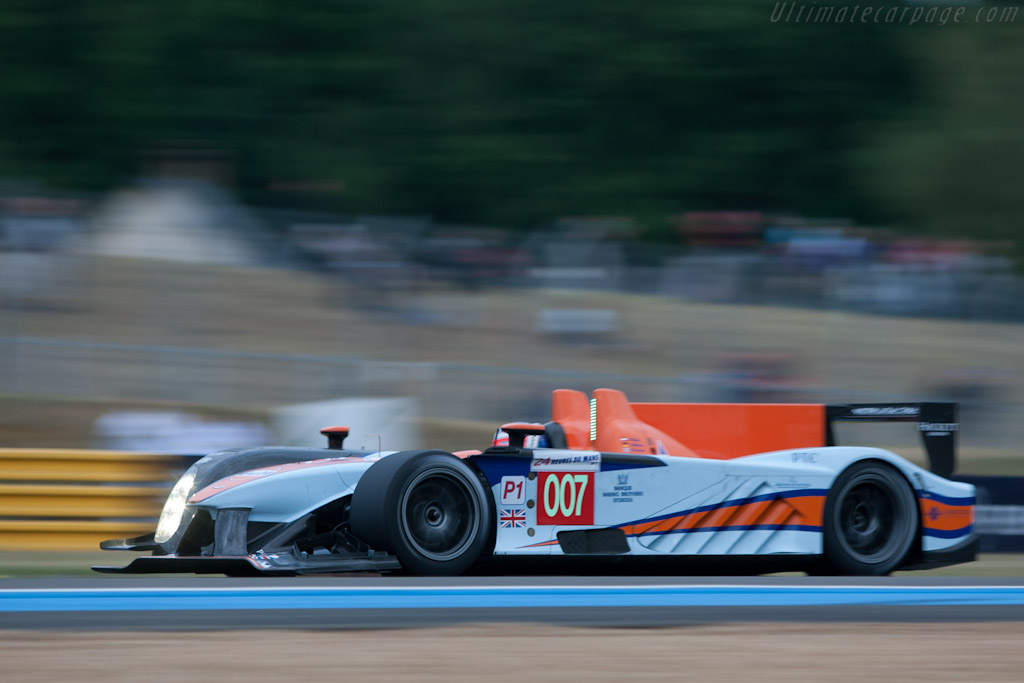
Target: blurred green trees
{"x":513,"y":113}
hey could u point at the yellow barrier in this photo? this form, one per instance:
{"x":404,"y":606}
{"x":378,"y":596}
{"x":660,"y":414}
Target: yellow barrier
{"x":38,"y":464}
{"x":53,"y":499}
{"x":35,"y":534}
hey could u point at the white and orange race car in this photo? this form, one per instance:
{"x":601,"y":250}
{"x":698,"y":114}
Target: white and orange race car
{"x":607,"y":484}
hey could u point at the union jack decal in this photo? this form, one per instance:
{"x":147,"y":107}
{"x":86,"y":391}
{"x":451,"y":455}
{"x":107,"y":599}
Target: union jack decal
{"x":631,"y":444}
{"x":512,"y":519}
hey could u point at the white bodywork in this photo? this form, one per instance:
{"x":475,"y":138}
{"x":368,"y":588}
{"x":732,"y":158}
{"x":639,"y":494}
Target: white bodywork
{"x":755,"y":505}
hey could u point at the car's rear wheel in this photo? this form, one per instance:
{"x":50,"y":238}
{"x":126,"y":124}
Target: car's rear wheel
{"x":871,"y":520}
{"x":427,"y":507}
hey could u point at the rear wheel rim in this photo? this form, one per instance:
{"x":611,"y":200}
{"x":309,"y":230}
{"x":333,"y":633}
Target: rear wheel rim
{"x":873,"y":520}
{"x":867,"y":515}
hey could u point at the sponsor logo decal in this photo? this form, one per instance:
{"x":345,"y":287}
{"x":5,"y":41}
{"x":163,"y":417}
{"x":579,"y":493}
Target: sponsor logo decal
{"x":263,"y":559}
{"x":512,"y":519}
{"x":887,"y":411}
{"x":938,"y":427}
{"x":565,"y":498}
{"x":791,"y":483}
{"x":513,"y":490}
{"x":566,"y":461}
{"x":622,"y":492}
{"x":935,"y":512}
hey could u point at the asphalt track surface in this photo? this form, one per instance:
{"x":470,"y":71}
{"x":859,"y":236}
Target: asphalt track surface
{"x":372,"y":602}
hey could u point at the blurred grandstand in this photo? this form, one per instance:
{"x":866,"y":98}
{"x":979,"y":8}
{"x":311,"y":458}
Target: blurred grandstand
{"x":722,"y":257}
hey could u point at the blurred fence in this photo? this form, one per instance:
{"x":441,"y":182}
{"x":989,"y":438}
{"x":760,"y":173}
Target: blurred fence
{"x":999,"y":514}
{"x":71,"y":500}
{"x":39,"y":366}
{"x":51,"y":367}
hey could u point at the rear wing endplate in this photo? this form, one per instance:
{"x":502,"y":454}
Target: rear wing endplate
{"x":936,"y":422}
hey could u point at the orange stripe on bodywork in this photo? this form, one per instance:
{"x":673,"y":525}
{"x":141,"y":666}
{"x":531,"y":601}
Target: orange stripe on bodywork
{"x":943,"y":516}
{"x":799,"y":511}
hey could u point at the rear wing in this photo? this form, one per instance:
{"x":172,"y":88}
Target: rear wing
{"x":936,"y":422}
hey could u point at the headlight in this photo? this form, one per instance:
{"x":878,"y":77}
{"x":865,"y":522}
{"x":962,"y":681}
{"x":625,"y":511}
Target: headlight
{"x":170,"y":517}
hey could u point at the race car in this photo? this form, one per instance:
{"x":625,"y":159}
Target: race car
{"x":604,"y":479}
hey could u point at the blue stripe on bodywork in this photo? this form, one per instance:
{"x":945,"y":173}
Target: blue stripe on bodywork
{"x":735,"y":527}
{"x":948,"y":500}
{"x":495,"y":467}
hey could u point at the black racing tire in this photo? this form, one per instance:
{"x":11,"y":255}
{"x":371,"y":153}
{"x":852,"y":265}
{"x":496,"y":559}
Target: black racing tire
{"x":428,"y":508}
{"x":871,"y":520}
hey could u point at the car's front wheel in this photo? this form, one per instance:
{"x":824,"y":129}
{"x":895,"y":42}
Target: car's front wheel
{"x":870,"y":521}
{"x":427,"y":507}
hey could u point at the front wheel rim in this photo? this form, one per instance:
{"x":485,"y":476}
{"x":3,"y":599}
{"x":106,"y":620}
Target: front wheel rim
{"x":439,"y":514}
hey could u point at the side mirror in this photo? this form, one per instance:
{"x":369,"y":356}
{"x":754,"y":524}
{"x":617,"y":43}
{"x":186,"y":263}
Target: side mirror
{"x":335,"y":437}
